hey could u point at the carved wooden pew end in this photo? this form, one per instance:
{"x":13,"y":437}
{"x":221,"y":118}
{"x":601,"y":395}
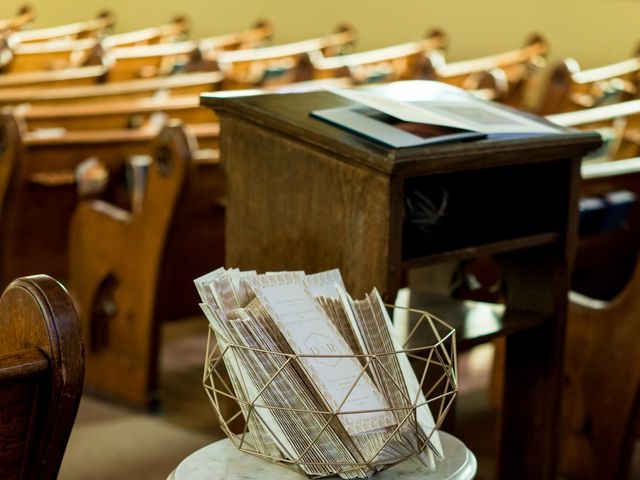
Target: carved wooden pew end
{"x":114,"y":268}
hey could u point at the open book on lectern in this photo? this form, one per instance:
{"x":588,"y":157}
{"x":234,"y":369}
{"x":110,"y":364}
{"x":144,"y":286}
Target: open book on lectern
{"x":427,"y":113}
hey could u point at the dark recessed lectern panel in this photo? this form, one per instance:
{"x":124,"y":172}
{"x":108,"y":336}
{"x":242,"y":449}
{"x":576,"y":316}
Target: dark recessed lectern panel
{"x":470,"y":209}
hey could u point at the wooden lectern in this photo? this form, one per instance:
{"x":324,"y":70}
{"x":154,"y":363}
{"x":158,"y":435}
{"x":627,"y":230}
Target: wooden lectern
{"x":303,"y":194}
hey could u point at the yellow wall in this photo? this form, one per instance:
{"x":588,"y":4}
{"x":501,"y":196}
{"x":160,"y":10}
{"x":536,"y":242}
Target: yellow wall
{"x":593,"y":31}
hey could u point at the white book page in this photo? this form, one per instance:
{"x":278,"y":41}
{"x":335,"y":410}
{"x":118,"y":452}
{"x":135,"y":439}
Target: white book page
{"x":405,"y":111}
{"x":467,"y":113}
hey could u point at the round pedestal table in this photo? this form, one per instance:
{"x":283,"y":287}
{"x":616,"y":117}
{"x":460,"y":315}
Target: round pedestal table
{"x":223,"y":461}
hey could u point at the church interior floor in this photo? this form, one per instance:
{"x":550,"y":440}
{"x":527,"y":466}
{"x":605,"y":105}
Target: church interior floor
{"x":111,"y":441}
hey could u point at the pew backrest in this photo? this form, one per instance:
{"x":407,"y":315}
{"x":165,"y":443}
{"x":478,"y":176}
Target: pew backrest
{"x":518,"y":68}
{"x":258,"y":35}
{"x":570,"y":88}
{"x":91,"y":28}
{"x":280,"y":64}
{"x":41,"y":190}
{"x":619,"y":124}
{"x":114,"y":115}
{"x":130,"y":63}
{"x":177,"y":29}
{"x":66,"y":77}
{"x":180,"y":84}
{"x":52,"y":55}
{"x":41,"y":377}
{"x":399,"y":62}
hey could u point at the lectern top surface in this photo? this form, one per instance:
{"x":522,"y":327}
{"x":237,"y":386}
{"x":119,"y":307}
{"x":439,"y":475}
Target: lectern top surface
{"x":288,"y":114}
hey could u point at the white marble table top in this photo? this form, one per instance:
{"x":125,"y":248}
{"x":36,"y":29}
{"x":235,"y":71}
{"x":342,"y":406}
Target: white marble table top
{"x":223,"y":461}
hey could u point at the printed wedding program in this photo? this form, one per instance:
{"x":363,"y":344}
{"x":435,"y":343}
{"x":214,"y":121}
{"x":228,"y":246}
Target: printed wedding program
{"x":322,"y":386}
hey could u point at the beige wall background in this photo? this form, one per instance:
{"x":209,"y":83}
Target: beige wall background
{"x":595,"y":32}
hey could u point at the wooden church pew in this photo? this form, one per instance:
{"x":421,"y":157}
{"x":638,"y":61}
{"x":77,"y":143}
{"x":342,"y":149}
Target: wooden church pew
{"x":570,"y":88}
{"x":40,"y":192}
{"x":258,"y":35}
{"x":399,"y":62}
{"x":41,"y":377}
{"x":118,"y":269}
{"x":620,"y":120}
{"x":515,"y":68}
{"x":25,"y":15}
{"x":115,"y":114}
{"x":51,"y":55}
{"x":177,"y":29}
{"x":120,"y":119}
{"x":66,"y":77}
{"x":602,"y":358}
{"x":126,"y":62}
{"x":93,"y":28}
{"x":203,"y":57}
{"x":148,"y":61}
{"x":280,"y":64}
{"x":163,"y":59}
{"x":180,"y":84}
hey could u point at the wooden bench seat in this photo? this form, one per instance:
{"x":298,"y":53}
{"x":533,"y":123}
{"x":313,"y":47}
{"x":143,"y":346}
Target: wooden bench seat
{"x":162,"y":59}
{"x":93,"y":28}
{"x":181,"y":84}
{"x":515,"y":69}
{"x":570,"y":88}
{"x":280,"y":64}
{"x":399,"y":62}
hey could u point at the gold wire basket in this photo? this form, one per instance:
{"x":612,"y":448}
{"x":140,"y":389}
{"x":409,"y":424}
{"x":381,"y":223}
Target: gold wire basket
{"x":427,"y":341}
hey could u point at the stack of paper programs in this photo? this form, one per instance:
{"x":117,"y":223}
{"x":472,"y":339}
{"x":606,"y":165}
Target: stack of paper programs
{"x":322,"y":381}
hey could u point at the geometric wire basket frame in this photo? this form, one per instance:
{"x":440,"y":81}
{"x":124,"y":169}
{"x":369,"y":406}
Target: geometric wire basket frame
{"x":430,"y":345}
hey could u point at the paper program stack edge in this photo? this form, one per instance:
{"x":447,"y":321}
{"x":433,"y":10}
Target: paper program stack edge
{"x":307,"y":360}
